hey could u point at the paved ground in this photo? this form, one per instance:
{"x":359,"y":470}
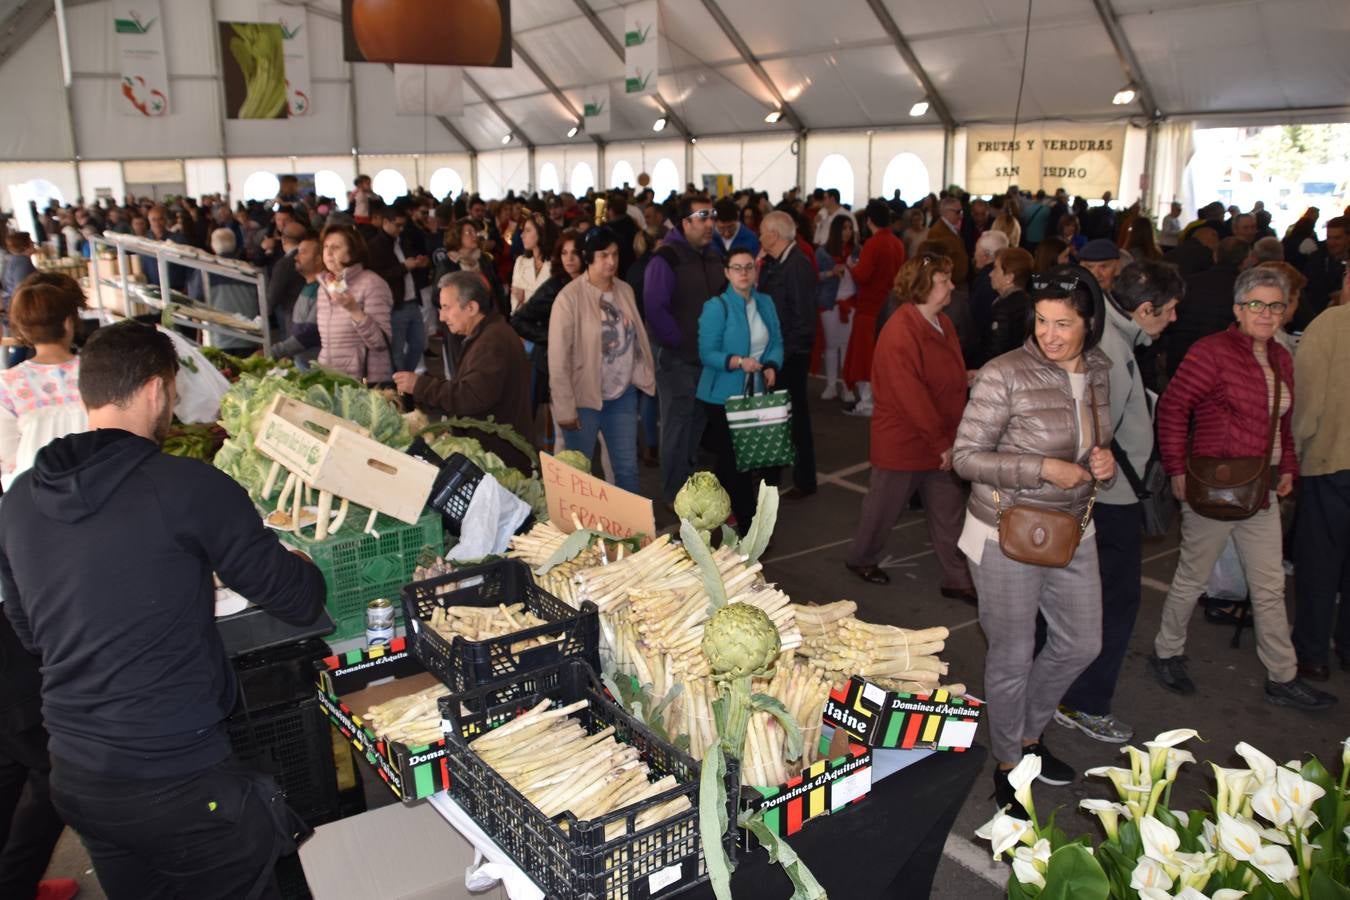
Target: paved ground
{"x":809,"y":547}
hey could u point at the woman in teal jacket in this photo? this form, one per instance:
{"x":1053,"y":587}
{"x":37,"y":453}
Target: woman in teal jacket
{"x":738,"y":340}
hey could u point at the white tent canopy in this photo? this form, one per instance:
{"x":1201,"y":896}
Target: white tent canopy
{"x":844,"y":73}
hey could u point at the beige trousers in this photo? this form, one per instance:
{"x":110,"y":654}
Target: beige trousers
{"x":1258,"y":541}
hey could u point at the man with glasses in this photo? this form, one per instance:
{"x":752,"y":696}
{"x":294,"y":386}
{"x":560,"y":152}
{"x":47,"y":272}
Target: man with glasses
{"x":684,"y":272}
{"x":397,"y":255}
{"x":1141,"y":302}
{"x":1227,"y":387}
{"x":946,"y":231}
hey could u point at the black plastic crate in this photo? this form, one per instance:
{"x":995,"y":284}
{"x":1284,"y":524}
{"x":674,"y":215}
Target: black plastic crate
{"x":453,"y":489}
{"x":463,"y":664}
{"x":278,"y":675}
{"x":291,"y":743}
{"x":570,"y":859}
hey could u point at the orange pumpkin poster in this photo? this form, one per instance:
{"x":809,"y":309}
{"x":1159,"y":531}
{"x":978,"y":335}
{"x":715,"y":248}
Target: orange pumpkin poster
{"x":449,"y":33}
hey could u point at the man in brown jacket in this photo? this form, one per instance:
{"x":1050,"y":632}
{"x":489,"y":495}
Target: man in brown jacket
{"x":492,"y":377}
{"x":947,"y":232}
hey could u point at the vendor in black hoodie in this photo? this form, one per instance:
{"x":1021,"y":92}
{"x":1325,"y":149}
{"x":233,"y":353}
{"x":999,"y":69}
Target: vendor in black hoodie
{"x":107,"y":549}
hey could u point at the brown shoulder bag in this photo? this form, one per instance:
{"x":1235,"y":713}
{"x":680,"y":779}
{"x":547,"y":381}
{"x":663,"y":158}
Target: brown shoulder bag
{"x":1045,"y":537}
{"x":1231,"y":489}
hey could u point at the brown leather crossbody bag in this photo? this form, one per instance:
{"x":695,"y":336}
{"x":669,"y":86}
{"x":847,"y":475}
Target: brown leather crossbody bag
{"x":1232,"y":489}
{"x":1045,"y":537}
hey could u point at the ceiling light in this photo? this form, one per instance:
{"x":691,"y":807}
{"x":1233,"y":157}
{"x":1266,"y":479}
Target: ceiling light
{"x":1124,"y":96}
{"x":659,"y":124}
{"x":693,"y":140}
{"x":919,"y":108}
{"x":774,"y":116}
{"x":572,"y":132}
{"x":506,"y":138}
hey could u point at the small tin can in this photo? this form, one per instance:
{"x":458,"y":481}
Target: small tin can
{"x":379,"y":622}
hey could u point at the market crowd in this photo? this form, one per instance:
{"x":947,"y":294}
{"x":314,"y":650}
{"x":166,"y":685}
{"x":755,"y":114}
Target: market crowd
{"x":1053,"y":379}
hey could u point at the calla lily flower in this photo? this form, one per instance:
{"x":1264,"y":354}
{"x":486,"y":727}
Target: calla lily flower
{"x":1027,"y":873}
{"x":1021,"y":777}
{"x":1262,"y":766}
{"x":1120,"y":778}
{"x":1109,"y":813}
{"x":1274,"y":862}
{"x":1158,"y":747}
{"x":1149,"y":873}
{"x":1003,"y":832}
{"x":1233,"y":787}
{"x":1268,"y":803}
{"x":1209,"y":835}
{"x":1138,"y":763}
{"x":1160,"y":842}
{"x":1189,"y":893}
{"x":1029,"y":863}
{"x":1300,"y":794}
{"x":1153,"y":894}
{"x":1275,"y":836}
{"x":1237,"y":838}
{"x":1228,"y":894}
{"x":1173,"y":762}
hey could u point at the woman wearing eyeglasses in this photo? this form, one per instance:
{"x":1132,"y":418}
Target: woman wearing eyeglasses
{"x":738,"y":339}
{"x":1035,"y":436}
{"x":1226,"y":391}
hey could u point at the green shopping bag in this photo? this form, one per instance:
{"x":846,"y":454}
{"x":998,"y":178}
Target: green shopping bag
{"x":761,"y":428}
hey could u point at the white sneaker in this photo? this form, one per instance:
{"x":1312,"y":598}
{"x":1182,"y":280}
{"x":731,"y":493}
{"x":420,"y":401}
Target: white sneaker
{"x":848,"y":396}
{"x":860,"y":410}
{"x":831,"y":392}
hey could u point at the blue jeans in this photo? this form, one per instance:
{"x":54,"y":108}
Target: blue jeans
{"x":650,"y":411}
{"x":409,"y":338}
{"x":617,"y":421}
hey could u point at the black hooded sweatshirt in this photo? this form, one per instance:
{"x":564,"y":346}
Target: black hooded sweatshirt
{"x":107,"y":549}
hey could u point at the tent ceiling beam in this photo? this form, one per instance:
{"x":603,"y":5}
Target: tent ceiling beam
{"x":319,"y":11}
{"x":22,"y":24}
{"x":497,"y":110}
{"x":1129,"y":63}
{"x":750,"y":60}
{"x":553,"y":89}
{"x":902,"y":47}
{"x":673,"y":120}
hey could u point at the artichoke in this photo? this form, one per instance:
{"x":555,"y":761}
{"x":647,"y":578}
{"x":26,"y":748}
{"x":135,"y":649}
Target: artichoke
{"x":576,"y":459}
{"x":741,"y":640}
{"x":703,"y":503}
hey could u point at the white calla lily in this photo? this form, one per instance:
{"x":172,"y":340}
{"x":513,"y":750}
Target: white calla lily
{"x":1160,"y":841}
{"x":1262,"y":766}
{"x":1300,"y":794}
{"x":1120,"y":778}
{"x":1149,"y":873}
{"x":1268,"y":803}
{"x":1003,"y":832}
{"x":1275,"y":836}
{"x":1158,"y":747}
{"x":1109,"y":813}
{"x":1189,"y":893}
{"x":1209,"y":835}
{"x":1029,"y":863}
{"x":1027,"y":874}
{"x":1021,"y":777}
{"x":1154,"y":894}
{"x":1138,"y":762}
{"x":1228,"y":894}
{"x":1237,"y":838}
{"x":1233,"y":787}
{"x":1274,"y":862}
{"x":1173,"y":762}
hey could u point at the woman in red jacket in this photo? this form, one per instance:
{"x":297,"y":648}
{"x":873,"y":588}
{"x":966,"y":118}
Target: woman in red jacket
{"x":1226,"y":387}
{"x":882,"y":256}
{"x":919,"y":394}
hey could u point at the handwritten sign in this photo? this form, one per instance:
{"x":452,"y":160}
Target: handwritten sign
{"x":595,"y":503}
{"x":1083,"y":159}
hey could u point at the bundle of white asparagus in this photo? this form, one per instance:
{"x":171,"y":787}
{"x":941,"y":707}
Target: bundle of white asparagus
{"x":413,"y":720}
{"x":478,"y":623}
{"x":549,"y":757}
{"x":898,"y":659}
{"x":802,"y":689}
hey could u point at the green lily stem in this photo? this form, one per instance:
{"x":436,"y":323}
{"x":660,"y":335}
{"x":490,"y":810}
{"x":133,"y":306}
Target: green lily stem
{"x":1296,"y":838}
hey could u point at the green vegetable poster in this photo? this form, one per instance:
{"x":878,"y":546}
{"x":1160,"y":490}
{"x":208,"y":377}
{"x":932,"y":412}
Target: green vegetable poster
{"x":295,"y":34}
{"x":138,"y":26}
{"x":253,"y":60}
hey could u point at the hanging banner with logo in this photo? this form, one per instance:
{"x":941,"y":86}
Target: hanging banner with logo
{"x":1085,"y":160}
{"x":595,"y":108}
{"x":428,"y":90}
{"x":295,"y":43}
{"x":139,"y":28}
{"x":641,"y":58}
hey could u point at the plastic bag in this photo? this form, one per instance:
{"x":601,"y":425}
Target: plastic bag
{"x":493,"y":515}
{"x":200,"y":384}
{"x":1228,"y":581}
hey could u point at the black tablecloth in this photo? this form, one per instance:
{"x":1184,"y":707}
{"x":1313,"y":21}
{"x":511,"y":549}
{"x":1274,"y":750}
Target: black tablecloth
{"x":888,"y":845}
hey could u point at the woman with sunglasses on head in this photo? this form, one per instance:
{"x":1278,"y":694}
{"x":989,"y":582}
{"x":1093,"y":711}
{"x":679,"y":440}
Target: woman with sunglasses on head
{"x":1231,"y":401}
{"x":532,"y":265}
{"x":739,"y":340}
{"x":1034,"y":443}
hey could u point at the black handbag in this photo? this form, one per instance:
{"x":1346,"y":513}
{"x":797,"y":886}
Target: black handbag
{"x":1157,"y":507}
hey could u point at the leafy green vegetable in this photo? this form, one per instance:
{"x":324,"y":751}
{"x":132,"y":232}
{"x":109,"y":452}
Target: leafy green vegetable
{"x":258,"y":49}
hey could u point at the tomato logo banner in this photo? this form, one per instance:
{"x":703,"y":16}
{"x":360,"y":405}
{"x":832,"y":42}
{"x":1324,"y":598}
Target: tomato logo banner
{"x":452,"y":33}
{"x":138,"y":26}
{"x":1083,"y":159}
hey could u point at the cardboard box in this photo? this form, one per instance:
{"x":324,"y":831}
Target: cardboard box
{"x":347,"y":683}
{"x":393,"y":853}
{"x":879,"y":718}
{"x":824,"y":787}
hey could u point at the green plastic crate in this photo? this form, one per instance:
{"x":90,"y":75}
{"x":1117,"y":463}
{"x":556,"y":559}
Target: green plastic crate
{"x":357,"y":567}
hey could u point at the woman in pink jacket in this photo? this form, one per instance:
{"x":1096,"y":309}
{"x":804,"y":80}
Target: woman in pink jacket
{"x":353,"y":309}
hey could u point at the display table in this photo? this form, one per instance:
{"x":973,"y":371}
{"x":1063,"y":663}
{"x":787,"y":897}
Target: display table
{"x":889,"y":845}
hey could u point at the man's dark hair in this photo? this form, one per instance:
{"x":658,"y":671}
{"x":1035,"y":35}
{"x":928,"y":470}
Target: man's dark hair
{"x":683,"y":208}
{"x":617,"y":201}
{"x":726,"y":210}
{"x":378,"y":208}
{"x":1339,"y":222}
{"x":119,"y":359}
{"x":832,"y":192}
{"x":1147,"y":281}
{"x":818,"y":194}
{"x":1232,"y":251}
{"x":878,"y":213}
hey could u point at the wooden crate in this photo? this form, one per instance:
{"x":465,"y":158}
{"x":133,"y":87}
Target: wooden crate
{"x":337,"y":457}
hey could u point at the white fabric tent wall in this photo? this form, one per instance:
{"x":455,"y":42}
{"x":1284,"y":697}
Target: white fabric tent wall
{"x":34,"y":97}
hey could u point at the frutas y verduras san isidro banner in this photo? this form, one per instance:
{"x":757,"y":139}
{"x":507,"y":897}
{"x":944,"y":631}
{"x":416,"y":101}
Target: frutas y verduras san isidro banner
{"x":1085,"y":160}
{"x":295,"y":38}
{"x":139,"y":28}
